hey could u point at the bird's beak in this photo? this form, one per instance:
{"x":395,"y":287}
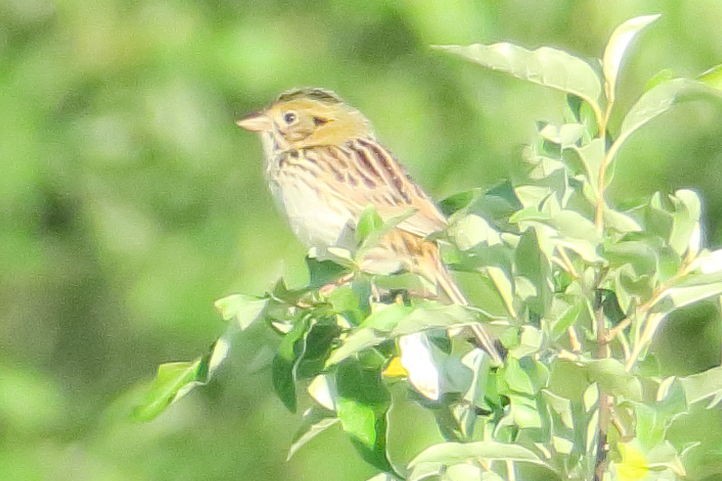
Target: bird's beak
{"x":255,"y":122}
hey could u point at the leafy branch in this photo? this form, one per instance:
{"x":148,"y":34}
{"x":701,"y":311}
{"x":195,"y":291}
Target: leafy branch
{"x":574,"y":288}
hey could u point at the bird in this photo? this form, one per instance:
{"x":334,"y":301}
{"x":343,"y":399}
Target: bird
{"x":324,"y":167}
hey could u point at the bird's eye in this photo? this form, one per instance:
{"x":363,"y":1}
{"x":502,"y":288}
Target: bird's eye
{"x":289,"y":117}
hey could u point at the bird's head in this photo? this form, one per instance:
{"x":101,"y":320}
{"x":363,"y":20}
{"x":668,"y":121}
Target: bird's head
{"x":307,"y":117}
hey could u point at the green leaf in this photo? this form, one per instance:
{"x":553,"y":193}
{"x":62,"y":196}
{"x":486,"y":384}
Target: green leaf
{"x":653,"y":421}
{"x":590,"y":402}
{"x":426,"y":471}
{"x":565,"y":135}
{"x":242,"y":309}
{"x":665,"y":455}
{"x":478,"y":363}
{"x":472,"y":230}
{"x":572,"y":224}
{"x":545,"y":66}
{"x":454,"y":453}
{"x":286,"y":361}
{"x":322,"y":389}
{"x":346,"y":300}
{"x":176,"y":379}
{"x":319,"y":342}
{"x":369,"y":222}
{"x":533,"y":265}
{"x":687,"y":212}
{"x":639,"y":254}
{"x":564,"y":315}
{"x":315,"y":421}
{"x":617,"y":46}
{"x":561,"y":406}
{"x":590,"y":156}
{"x":628,"y":284}
{"x":661,"y":462}
{"x":525,"y":375}
{"x":459,"y":201}
{"x":662,"y":76}
{"x":358,"y":341}
{"x":650,"y":425}
{"x":703,"y":385}
{"x":671,"y":398}
{"x":385,"y":317}
{"x":676,"y":297}
{"x":614,"y":379}
{"x":172,"y":381}
{"x":530,"y":214}
{"x":501,"y":280}
{"x":524,"y":412}
{"x":712,"y":77}
{"x":394,"y":320}
{"x":281,"y":294}
{"x":620,"y":221}
{"x":494,"y":205}
{"x":499,"y":202}
{"x":362,"y":406}
{"x":406,"y":281}
{"x":583,"y":113}
{"x":658,"y":100}
{"x":323,"y":272}
{"x":371,"y":228}
{"x":383,"y":477}
{"x":530,"y":342}
{"x":468,"y":472}
{"x":432,"y":315}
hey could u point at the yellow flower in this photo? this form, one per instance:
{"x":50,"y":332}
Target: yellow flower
{"x":395,"y":368}
{"x":633,"y":466}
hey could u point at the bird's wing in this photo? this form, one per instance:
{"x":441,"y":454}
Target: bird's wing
{"x":367,"y":174}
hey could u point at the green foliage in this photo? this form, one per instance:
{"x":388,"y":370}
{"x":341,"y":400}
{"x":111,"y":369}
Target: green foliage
{"x":576,"y":290}
{"x":176,"y":379}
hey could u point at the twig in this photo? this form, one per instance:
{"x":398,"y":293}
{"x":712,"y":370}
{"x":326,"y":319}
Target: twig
{"x":605,"y":400}
{"x":574,"y":343}
{"x":606,"y":162}
{"x":614,"y":332}
{"x":568,"y":355}
{"x":567,"y":263}
{"x":600,"y":466}
{"x":653,"y":321}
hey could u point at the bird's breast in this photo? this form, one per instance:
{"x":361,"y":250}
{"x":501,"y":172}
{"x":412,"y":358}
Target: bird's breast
{"x":316,"y":215}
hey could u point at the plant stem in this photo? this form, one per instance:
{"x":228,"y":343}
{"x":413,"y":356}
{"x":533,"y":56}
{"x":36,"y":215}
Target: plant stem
{"x":574,"y":343}
{"x":652,"y":320}
{"x":605,"y":400}
{"x":603,"y":351}
{"x":606,"y":161}
{"x":567,"y":263}
{"x":600,"y":466}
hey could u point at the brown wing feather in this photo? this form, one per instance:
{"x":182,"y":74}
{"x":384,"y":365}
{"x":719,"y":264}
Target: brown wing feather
{"x":377,"y":179}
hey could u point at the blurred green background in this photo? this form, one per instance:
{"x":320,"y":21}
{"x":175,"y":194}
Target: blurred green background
{"x":129,"y":200}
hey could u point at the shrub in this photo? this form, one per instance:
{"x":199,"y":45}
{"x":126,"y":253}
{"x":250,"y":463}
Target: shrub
{"x":575,"y":288}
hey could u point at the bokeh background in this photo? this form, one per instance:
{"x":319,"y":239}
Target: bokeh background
{"x":129,"y":200}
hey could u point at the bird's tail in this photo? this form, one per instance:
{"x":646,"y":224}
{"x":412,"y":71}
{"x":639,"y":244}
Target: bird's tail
{"x":403,"y":250}
{"x":443,"y":279}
